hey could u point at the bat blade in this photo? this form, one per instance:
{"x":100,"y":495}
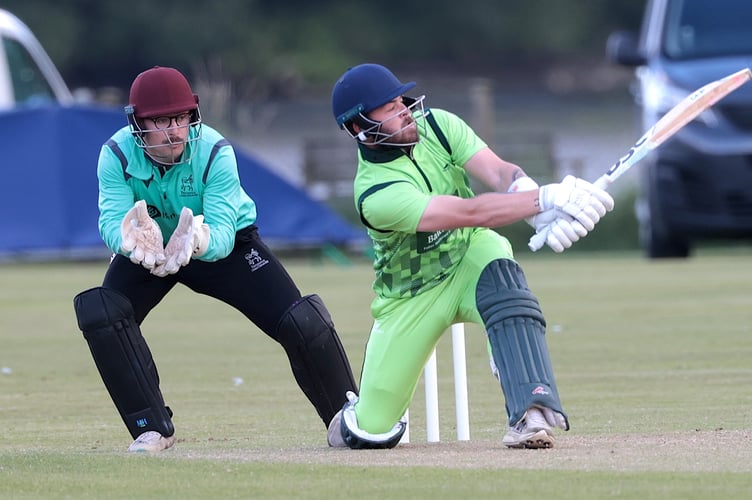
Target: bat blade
{"x":680,"y":115}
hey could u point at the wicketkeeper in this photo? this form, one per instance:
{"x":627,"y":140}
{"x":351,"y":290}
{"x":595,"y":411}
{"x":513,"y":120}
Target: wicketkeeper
{"x":173,"y":211}
{"x":437,"y":261}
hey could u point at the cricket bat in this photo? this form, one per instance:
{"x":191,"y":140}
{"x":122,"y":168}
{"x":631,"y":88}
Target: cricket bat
{"x":679,"y":116}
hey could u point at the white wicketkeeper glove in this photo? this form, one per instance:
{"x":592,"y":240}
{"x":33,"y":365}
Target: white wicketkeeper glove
{"x":558,"y":236}
{"x":141,"y":238}
{"x":578,"y":198}
{"x":190,"y":239}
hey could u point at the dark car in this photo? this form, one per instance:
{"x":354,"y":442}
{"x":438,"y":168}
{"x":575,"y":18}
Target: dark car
{"x":697,"y":185}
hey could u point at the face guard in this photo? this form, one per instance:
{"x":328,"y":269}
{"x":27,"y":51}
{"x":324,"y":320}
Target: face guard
{"x":373,"y":128}
{"x":194,"y":135}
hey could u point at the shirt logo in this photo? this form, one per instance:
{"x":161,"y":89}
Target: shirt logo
{"x":186,"y":186}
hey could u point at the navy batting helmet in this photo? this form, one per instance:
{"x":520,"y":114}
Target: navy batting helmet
{"x":364,"y":88}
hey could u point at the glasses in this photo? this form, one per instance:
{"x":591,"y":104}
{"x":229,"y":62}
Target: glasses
{"x":163,"y":122}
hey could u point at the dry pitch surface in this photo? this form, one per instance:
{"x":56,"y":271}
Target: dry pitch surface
{"x":695,"y":451}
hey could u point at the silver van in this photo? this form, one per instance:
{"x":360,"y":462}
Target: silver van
{"x":27,"y":74}
{"x":698,"y":185}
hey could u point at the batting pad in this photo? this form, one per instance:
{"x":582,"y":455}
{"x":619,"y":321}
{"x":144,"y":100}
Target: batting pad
{"x":516,"y":331}
{"x":123,"y":359}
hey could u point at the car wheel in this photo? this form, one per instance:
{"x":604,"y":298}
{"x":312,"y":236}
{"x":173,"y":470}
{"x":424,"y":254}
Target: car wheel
{"x":656,"y":237}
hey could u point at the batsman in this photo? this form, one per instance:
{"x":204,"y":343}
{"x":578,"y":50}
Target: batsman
{"x":437,"y":260}
{"x":172,"y":209}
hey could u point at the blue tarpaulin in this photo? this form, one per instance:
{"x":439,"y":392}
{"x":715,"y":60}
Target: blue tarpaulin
{"x":48,"y":164}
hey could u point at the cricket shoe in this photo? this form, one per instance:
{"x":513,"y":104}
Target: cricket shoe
{"x":532,"y":431}
{"x":334,"y":432}
{"x":151,"y":442}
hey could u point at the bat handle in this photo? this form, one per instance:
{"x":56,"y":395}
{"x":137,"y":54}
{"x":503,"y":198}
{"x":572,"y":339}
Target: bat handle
{"x":539,"y":239}
{"x":603,"y":182}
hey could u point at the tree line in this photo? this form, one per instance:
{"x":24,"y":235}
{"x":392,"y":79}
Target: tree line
{"x":277,"y":47}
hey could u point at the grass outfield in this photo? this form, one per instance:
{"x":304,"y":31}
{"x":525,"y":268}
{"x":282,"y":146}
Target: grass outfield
{"x":653,"y":362}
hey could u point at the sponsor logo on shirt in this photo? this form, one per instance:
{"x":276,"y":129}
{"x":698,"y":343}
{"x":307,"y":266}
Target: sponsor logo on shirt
{"x":153,"y":211}
{"x":429,"y":241}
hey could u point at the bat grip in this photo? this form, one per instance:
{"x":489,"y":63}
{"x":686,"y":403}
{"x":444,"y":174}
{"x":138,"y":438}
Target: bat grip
{"x":603,"y":182}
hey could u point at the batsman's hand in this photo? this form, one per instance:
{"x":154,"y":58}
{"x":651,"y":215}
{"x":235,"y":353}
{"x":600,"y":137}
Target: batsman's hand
{"x":559,"y":235}
{"x":190,"y":239}
{"x":540,"y":220}
{"x":141,"y":238}
{"x":583,"y":201}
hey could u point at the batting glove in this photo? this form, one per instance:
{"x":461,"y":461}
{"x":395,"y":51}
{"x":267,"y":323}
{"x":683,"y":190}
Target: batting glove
{"x":563,"y":232}
{"x":559,"y":233}
{"x":578,"y":198}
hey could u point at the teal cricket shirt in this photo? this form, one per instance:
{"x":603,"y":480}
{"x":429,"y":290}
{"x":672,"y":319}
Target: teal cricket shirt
{"x":209,"y":184}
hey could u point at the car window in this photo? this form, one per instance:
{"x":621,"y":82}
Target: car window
{"x":707,"y":28}
{"x":29,"y":83}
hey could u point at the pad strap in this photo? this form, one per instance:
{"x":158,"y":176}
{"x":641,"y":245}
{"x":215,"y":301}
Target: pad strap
{"x":358,"y":439}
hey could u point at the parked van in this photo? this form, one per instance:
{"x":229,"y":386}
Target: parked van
{"x":27,"y":74}
{"x":697,"y":185}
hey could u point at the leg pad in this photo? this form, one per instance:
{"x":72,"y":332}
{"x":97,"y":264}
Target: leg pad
{"x":123,"y":359}
{"x":316,"y":355}
{"x":516,"y":332}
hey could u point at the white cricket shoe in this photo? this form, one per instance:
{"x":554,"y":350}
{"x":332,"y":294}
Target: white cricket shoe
{"x":334,"y":432}
{"x":150,"y":442}
{"x":532,"y":431}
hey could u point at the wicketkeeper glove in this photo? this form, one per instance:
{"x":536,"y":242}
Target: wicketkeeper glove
{"x":141,"y":238}
{"x":190,"y":239}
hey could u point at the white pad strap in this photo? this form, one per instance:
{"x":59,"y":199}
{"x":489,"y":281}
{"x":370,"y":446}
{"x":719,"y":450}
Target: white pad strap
{"x":368,"y":440}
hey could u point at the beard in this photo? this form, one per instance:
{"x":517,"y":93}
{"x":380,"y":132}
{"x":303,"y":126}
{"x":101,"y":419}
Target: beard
{"x":406,"y":135}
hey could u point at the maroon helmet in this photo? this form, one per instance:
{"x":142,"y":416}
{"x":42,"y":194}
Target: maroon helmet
{"x":163,"y":92}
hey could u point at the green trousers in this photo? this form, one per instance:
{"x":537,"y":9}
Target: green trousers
{"x":406,"y":330}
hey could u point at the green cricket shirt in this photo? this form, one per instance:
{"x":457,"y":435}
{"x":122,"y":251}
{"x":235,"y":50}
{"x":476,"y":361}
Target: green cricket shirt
{"x":208,"y":184}
{"x":392,"y":190}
